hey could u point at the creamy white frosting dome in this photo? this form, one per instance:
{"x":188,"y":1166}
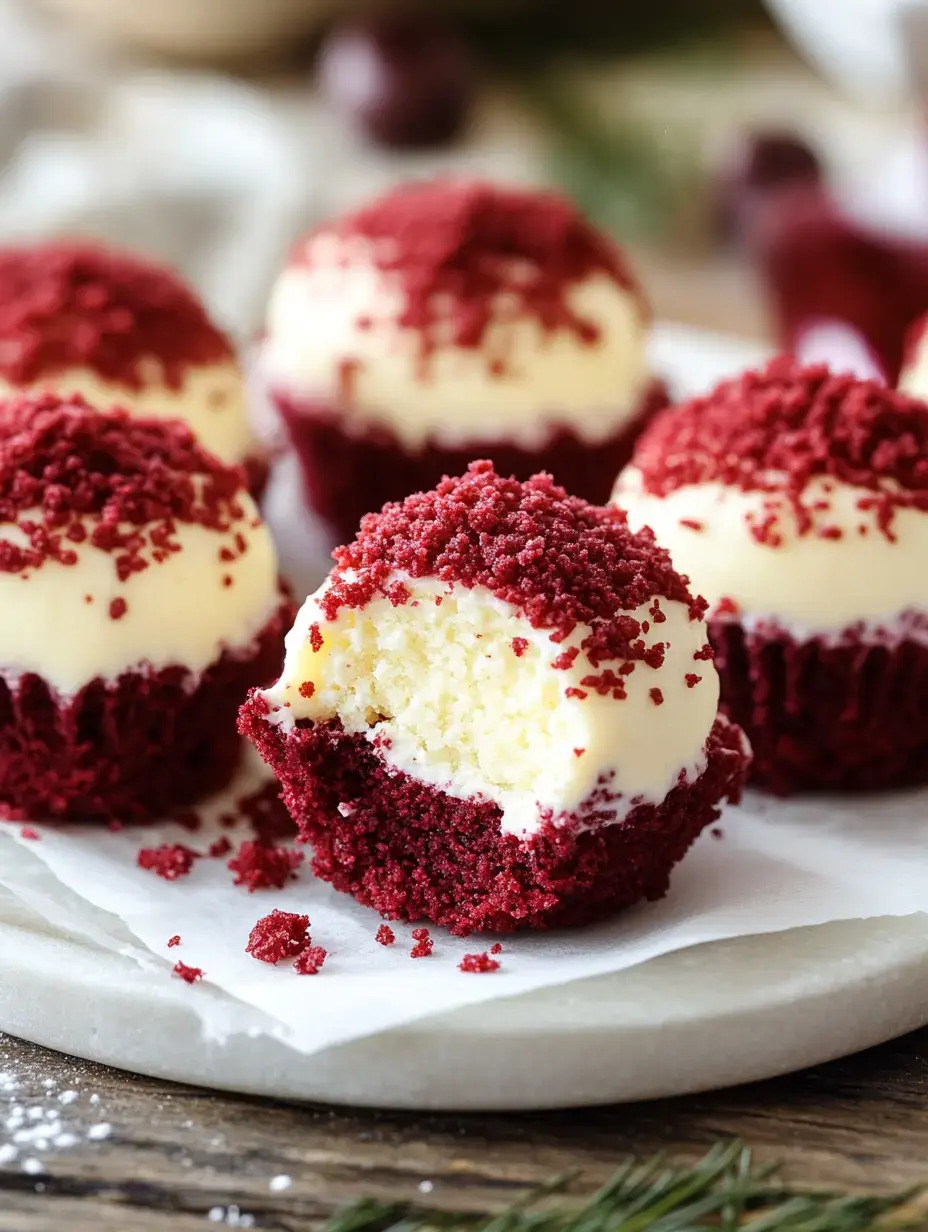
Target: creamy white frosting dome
{"x":440,"y":690}
{"x":455,"y":399}
{"x":811,"y":583}
{"x":210,"y":401}
{"x":55,"y":620}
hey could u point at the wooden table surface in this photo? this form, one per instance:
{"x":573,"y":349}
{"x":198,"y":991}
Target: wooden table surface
{"x":184,"y":1159}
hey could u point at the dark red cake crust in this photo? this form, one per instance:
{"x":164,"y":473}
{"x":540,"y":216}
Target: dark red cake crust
{"x":347,"y":475}
{"x":73,"y":304}
{"x":140,"y":747}
{"x":414,"y":853}
{"x":845,"y":716}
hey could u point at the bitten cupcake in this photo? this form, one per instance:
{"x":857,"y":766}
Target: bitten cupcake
{"x":120,"y":330}
{"x":139,"y":603}
{"x":499,"y":711}
{"x":796,"y":501}
{"x":451,"y":320}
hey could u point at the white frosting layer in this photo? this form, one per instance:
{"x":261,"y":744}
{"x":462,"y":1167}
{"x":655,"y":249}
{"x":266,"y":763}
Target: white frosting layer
{"x":455,"y":400}
{"x":211,"y":401}
{"x":809,"y":583}
{"x":179,"y":612}
{"x":914,"y":377}
{"x":460,"y":710}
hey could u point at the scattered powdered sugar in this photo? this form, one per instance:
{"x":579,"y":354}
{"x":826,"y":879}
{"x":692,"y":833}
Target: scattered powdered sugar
{"x":231,"y":1217}
{"x":41,"y":1117}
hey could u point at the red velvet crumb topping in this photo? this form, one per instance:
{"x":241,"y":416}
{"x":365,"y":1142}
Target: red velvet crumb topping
{"x":282,"y":934}
{"x":310,"y":961}
{"x":221,"y":847}
{"x":170,"y":860}
{"x":190,"y":975}
{"x":496,"y":948}
{"x":559,"y":560}
{"x":471,"y":242}
{"x":776,"y":429}
{"x":478,"y":963}
{"x":260,"y":867}
{"x":78,"y":305}
{"x":385,"y":935}
{"x":63,"y":463}
{"x":173,"y":941}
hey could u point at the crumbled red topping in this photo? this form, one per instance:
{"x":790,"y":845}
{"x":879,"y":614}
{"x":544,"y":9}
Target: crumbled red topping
{"x":173,"y":941}
{"x":657,"y":697}
{"x":496,"y":948}
{"x":559,"y":560}
{"x":470,"y":243}
{"x":385,"y":935}
{"x":282,"y":934}
{"x":424,"y":943}
{"x":692,"y":680}
{"x":260,"y":867}
{"x":63,"y":463}
{"x":307,"y":689}
{"x":478,"y":963}
{"x":29,"y":834}
{"x":315,"y":638}
{"x":189,"y":975}
{"x":221,"y":847}
{"x":66,"y":305}
{"x":170,"y":860}
{"x":519,"y":646}
{"x":310,"y":961}
{"x":118,"y":608}
{"x":776,"y":429}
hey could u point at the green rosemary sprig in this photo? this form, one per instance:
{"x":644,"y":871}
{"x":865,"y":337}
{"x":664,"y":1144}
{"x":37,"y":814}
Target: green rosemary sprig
{"x":723,"y":1192}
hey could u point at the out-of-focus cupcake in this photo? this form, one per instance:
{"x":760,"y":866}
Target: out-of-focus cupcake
{"x":499,"y":711}
{"x":453,"y":319}
{"x":121,"y":330}
{"x":139,"y":602}
{"x":796,"y":501}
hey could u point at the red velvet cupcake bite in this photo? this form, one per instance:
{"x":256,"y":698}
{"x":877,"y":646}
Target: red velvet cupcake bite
{"x":499,"y":711}
{"x":796,"y":501}
{"x":452,"y":319}
{"x":139,"y":603}
{"x":121,"y":330}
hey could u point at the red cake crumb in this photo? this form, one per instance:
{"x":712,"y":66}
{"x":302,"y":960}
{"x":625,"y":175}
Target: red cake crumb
{"x":423,"y":948}
{"x":190,"y":975}
{"x":311,"y":960}
{"x":136,"y":478}
{"x":173,"y":941}
{"x":221,"y":847}
{"x":474,"y":242}
{"x":801,"y":423}
{"x":496,"y":948}
{"x":519,"y":646}
{"x":282,"y":934}
{"x":717,"y":832}
{"x":29,"y":834}
{"x":692,"y":680}
{"x":558,"y":560}
{"x":170,"y":860}
{"x":118,"y":608}
{"x":68,"y":304}
{"x":307,"y":689}
{"x":260,"y":867}
{"x":478,"y":963}
{"x":657,"y":697}
{"x":385,"y":935}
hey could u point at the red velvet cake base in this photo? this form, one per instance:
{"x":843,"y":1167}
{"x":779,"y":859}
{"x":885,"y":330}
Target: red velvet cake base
{"x":139,"y":747}
{"x":348,"y":475}
{"x":848,"y":717}
{"x":413,"y":852}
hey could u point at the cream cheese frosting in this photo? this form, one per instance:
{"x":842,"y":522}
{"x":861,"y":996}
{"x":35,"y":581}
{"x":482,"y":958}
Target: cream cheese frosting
{"x":333,"y":337}
{"x":843,"y":571}
{"x":57,"y":620}
{"x":210,"y":400}
{"x":456,"y":688}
